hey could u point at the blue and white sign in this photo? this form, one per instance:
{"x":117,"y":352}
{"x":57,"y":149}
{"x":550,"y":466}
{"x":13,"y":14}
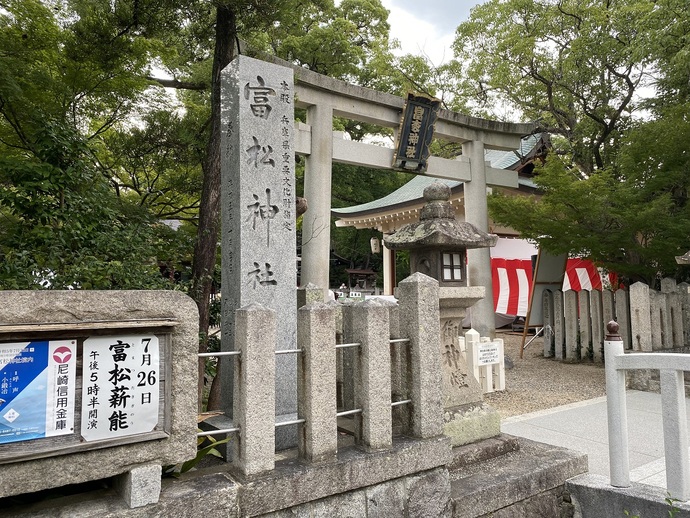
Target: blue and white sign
{"x":37,"y":389}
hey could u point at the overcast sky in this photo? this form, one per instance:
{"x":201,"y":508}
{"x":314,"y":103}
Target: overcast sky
{"x":427,"y":26}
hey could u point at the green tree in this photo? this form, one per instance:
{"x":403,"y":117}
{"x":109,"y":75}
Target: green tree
{"x":613,"y":185}
{"x":64,"y":228}
{"x":633,"y":225}
{"x":351,"y":247}
{"x":668,"y":45}
{"x":66,"y":78}
{"x":156,"y":166}
{"x":573,"y":66}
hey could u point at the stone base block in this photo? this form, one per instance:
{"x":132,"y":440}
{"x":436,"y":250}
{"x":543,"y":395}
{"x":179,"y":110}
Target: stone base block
{"x":593,"y":497}
{"x":470,"y":423}
{"x":481,"y":451}
{"x":191,"y":496}
{"x":293,"y":483}
{"x":140,"y":486}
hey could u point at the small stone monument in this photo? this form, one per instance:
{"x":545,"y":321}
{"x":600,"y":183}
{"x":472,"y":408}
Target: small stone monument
{"x":258,"y":220}
{"x":437,"y":245}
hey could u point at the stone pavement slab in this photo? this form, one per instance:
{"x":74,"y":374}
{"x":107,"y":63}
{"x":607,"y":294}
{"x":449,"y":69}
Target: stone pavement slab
{"x":582,"y":427}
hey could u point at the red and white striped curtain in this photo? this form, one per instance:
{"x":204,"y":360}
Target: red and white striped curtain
{"x":581,"y":274}
{"x":512,"y":280}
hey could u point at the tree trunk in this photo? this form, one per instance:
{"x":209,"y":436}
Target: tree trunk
{"x":209,"y":208}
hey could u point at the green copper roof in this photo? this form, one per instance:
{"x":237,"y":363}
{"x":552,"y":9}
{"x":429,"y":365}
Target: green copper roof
{"x":412,"y":190}
{"x":509,"y":159}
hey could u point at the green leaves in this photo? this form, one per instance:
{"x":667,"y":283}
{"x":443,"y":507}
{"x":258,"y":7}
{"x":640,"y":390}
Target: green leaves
{"x":208,"y":449}
{"x":614,"y":186}
{"x":631,"y":220}
{"x":93,"y":155}
{"x":62,"y":226}
{"x":572,"y":65}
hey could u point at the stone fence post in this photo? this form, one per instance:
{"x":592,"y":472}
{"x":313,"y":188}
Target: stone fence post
{"x":684,"y":295}
{"x":660,"y":324}
{"x":316,"y":388}
{"x":419,"y":321}
{"x":571,"y":324}
{"x":622,"y":307}
{"x":608,"y":310}
{"x":547,"y":311}
{"x":368,"y":324}
{"x":674,"y":311}
{"x":596,"y":312}
{"x":558,"y":325}
{"x":254,"y":389}
{"x":585,"y":323}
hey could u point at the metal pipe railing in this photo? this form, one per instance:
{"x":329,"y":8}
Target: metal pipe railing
{"x":298,"y":421}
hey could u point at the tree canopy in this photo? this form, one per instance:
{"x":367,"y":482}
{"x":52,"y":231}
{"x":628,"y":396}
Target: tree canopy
{"x":95,"y":151}
{"x":608,"y":81}
{"x":66,"y":79}
{"x":83,"y":79}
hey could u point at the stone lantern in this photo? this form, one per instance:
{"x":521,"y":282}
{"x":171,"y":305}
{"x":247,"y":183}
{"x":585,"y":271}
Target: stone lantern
{"x":438,"y":242}
{"x":437,"y":245}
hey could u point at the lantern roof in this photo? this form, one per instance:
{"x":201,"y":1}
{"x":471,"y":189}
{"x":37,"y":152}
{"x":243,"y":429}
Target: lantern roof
{"x":437,"y":226}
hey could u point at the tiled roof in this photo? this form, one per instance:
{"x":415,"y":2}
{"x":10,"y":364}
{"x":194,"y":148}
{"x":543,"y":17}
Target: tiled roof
{"x":509,"y":159}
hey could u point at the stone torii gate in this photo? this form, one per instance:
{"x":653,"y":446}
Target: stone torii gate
{"x":324,"y":98}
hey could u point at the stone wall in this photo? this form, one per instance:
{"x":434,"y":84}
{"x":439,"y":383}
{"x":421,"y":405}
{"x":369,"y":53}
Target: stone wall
{"x":410,"y":481}
{"x":422,"y":495}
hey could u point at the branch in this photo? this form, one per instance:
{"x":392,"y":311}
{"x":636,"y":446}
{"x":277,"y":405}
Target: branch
{"x":315,"y":231}
{"x":418,"y":86}
{"x":175,"y":211}
{"x":571,"y":15}
{"x":12,"y":119}
{"x":112,"y":119}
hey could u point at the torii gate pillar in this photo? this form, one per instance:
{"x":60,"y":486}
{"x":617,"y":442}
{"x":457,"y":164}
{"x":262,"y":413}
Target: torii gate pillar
{"x":479,"y":259}
{"x":316,"y":225}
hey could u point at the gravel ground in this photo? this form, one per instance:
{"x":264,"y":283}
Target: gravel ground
{"x":537,"y":383}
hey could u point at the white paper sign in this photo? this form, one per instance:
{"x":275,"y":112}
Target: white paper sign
{"x":488,"y":353}
{"x":120,"y":386}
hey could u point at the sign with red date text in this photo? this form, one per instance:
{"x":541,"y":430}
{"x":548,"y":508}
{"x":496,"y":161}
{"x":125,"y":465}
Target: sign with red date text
{"x":120,"y":394}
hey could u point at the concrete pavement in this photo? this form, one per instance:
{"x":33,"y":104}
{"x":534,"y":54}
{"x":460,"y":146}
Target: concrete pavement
{"x":582,"y":427}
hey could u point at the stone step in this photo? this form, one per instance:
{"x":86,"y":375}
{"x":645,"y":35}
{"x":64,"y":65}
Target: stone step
{"x":523,"y":482}
{"x":463,"y":456}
